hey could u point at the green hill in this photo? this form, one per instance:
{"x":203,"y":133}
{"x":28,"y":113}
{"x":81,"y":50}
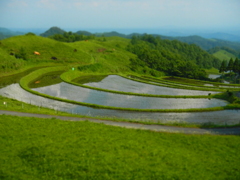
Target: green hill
{"x":223,"y":55}
{"x":111,"y":54}
{"x":150,"y":55}
{"x":52,"y":31}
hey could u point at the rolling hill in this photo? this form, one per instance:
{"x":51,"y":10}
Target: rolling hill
{"x":111,"y":54}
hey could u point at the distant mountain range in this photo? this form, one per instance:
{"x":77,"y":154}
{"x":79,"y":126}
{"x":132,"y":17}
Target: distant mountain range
{"x":204,"y":43}
{"x":6,"y":33}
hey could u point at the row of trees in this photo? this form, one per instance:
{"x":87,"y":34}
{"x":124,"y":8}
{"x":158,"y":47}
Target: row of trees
{"x":231,"y":65}
{"x":71,"y":37}
{"x":171,"y":57}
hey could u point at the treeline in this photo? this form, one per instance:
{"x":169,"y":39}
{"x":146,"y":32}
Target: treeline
{"x":231,"y":65}
{"x":171,"y":57}
{"x":70,"y":37}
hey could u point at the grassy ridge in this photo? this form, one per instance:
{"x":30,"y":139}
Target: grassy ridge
{"x":33,"y":148}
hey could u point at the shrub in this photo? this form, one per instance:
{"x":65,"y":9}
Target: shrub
{"x":21,"y":54}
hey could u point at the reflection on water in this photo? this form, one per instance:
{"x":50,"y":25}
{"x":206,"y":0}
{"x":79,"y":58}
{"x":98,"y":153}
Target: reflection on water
{"x":68,"y":91}
{"x":47,"y":79}
{"x":117,"y":83}
{"x":214,"y":76}
{"x":217,"y":117}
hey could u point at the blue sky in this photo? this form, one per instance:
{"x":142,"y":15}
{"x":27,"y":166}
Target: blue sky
{"x":84,"y":14}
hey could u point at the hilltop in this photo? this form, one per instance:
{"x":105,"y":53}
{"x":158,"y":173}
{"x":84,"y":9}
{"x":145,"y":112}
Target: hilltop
{"x":52,"y":31}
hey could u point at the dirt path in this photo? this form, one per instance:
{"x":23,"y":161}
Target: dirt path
{"x":158,"y":128}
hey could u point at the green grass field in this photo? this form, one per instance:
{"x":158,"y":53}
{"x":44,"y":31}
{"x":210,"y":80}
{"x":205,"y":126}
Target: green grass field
{"x":33,"y":148}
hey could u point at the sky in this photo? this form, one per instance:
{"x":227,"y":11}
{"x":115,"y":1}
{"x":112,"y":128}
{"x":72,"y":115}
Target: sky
{"x":117,"y":14}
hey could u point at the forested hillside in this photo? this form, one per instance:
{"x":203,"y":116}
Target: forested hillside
{"x":172,"y":57}
{"x":205,"y":44}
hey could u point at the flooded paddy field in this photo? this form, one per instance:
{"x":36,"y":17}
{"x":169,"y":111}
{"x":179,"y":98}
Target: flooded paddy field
{"x":76,"y":93}
{"x":67,"y":91}
{"x":117,"y":83}
{"x":226,"y":117}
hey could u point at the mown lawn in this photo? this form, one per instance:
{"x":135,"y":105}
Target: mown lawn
{"x":32,"y":148}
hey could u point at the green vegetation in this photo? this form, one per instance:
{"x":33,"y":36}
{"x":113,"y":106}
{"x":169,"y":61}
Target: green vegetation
{"x":52,"y":31}
{"x":212,"y":71}
{"x":232,"y":67}
{"x":223,"y":55}
{"x":33,"y":148}
{"x":204,"y":43}
{"x":71,"y":37}
{"x":171,"y":57}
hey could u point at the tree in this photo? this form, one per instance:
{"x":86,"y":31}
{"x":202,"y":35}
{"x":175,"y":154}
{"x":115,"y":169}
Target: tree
{"x":236,"y":66}
{"x":223,"y":67}
{"x":230,"y":65}
{"x":21,"y":54}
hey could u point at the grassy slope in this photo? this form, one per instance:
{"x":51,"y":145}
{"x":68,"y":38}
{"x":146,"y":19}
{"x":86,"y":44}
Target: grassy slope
{"x":53,"y":149}
{"x":223,"y":55}
{"x":45,"y":46}
{"x":113,"y":59}
{"x":116,"y":60}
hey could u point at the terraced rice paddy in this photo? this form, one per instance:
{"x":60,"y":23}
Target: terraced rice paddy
{"x":229,"y":117}
{"x":67,"y":91}
{"x":117,"y":83}
{"x":114,"y":82}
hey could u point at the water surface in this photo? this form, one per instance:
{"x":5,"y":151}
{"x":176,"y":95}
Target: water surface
{"x":117,"y":83}
{"x":76,"y":93}
{"x":228,"y":117}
